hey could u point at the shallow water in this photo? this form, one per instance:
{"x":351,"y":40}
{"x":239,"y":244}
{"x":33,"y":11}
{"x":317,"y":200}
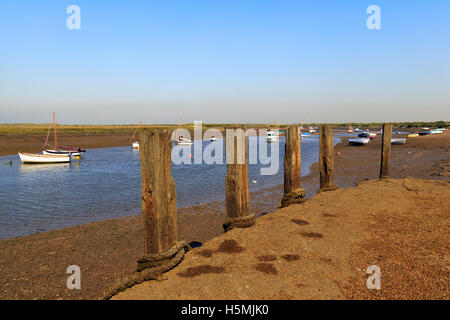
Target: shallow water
{"x":105,"y":184}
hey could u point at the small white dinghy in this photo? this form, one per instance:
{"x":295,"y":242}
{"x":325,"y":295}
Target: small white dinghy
{"x":398,"y":141}
{"x":183,"y":142}
{"x":271,"y":136}
{"x":358,"y":141}
{"x":43,"y":158}
{"x":135,"y":144}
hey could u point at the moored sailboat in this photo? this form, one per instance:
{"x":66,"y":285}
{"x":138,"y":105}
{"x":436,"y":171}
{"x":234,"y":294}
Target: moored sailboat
{"x":181,"y":141}
{"x":135,"y":144}
{"x":60,"y":150}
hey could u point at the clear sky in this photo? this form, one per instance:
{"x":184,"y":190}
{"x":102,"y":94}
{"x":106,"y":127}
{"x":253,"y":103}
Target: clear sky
{"x":224,"y":61}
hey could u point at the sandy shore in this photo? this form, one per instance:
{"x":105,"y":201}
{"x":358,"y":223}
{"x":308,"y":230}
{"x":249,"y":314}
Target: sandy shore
{"x":321,"y":249}
{"x":34,"y":267}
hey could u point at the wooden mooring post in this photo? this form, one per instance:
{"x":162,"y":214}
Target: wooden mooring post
{"x":386,"y":150}
{"x":237,"y":198}
{"x":326,"y":158}
{"x":159,"y":207}
{"x":293,"y":191}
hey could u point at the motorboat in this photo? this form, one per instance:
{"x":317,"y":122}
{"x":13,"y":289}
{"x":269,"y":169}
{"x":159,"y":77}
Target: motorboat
{"x":398,"y":141}
{"x":358,"y":141}
{"x":364,"y":135}
{"x":135,"y":145}
{"x":213,"y":138}
{"x":43,"y":158}
{"x":271,"y":136}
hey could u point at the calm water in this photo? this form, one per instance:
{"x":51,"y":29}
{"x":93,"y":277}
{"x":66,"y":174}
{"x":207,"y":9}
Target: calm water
{"x":105,"y":184}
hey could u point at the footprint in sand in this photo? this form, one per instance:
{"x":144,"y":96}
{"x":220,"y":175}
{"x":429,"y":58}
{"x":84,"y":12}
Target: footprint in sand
{"x":300,"y":222}
{"x":311,"y":235}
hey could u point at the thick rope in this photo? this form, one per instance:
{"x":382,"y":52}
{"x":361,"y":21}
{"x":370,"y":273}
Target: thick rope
{"x":297,"y":196}
{"x":156,"y":259}
{"x":168,"y":260}
{"x":239,"y":222}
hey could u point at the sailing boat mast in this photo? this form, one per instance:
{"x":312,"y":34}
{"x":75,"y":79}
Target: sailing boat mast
{"x":54,"y":123}
{"x":179,"y":127}
{"x":135,"y":130}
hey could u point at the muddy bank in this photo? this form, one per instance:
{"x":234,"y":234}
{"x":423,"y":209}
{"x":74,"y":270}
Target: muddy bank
{"x":34,"y":143}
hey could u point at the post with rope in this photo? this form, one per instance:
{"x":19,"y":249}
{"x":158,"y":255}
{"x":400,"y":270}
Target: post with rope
{"x":386,"y":150}
{"x":162,"y":250}
{"x":159,"y":204}
{"x":326,"y":158}
{"x":237,"y":198}
{"x":293,"y":191}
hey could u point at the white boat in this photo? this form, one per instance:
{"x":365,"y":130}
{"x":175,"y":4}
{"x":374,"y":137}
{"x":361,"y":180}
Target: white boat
{"x":43,"y":158}
{"x":271,"y":136}
{"x":60,"y":150}
{"x":358,"y":141}
{"x":183,"y":141}
{"x":436,"y":131}
{"x":213,"y":139}
{"x":398,"y":141}
{"x":135,"y":144}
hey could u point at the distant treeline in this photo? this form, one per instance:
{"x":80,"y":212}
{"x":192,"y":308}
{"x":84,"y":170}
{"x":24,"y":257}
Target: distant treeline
{"x":41,"y":129}
{"x":419,"y":125}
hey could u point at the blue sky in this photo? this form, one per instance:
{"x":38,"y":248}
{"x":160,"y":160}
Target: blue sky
{"x":224,"y":61}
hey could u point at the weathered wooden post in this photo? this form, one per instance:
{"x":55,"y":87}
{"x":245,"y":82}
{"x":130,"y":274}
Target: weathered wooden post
{"x":293,"y":191}
{"x":386,"y":150}
{"x":237,"y":199}
{"x":326,"y":157}
{"x":159,"y":207}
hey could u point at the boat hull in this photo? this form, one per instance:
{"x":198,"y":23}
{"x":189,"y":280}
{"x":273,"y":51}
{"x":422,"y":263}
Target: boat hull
{"x":43,"y":158}
{"x":184,"y":142}
{"x":59,"y":152}
{"x":398,"y":141}
{"x":358,"y":141}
